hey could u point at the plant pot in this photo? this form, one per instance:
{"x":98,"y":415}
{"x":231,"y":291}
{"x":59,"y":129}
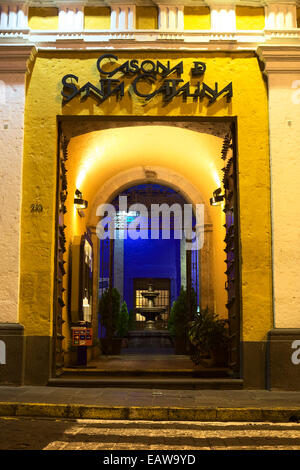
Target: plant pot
{"x":216,"y":357}
{"x":181,"y":346}
{"x":220,"y":356}
{"x":201,"y":357}
{"x":111,"y":346}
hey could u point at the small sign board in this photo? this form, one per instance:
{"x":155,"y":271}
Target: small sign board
{"x":82,"y":336}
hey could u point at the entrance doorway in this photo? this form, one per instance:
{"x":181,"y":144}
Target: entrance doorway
{"x":154,"y":255}
{"x":199,"y":271}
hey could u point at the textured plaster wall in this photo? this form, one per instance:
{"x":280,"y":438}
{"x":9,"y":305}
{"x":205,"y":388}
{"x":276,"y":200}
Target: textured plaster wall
{"x":97,"y":17}
{"x":12,"y":100}
{"x":249,"y":18}
{"x":146,"y":17}
{"x":196,"y":18}
{"x":43,"y":18}
{"x":249,"y":104}
{"x":284,"y":105}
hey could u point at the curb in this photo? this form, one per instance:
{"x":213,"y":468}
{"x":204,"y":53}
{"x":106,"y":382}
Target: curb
{"x":74,"y":411}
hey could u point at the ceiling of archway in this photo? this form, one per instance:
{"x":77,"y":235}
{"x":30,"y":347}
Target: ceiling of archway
{"x":150,"y":193}
{"x":192,"y":155}
{"x":73,"y":126}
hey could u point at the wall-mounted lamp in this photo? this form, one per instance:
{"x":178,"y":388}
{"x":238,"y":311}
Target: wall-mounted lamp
{"x":217,"y":197}
{"x":79,"y":202}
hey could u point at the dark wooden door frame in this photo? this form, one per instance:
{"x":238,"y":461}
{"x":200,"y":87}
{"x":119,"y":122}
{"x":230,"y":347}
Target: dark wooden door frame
{"x":232,"y":249}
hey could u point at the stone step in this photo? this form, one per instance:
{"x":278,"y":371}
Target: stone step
{"x":78,"y":372}
{"x":150,"y":383}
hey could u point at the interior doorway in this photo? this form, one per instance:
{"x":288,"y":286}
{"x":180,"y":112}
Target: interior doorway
{"x":155,"y":255}
{"x":198,"y":271}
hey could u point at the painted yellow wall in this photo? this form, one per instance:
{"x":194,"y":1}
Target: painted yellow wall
{"x":249,"y":104}
{"x":43,"y":18}
{"x":196,"y":18}
{"x":250,"y":18}
{"x":97,"y":18}
{"x":146,"y":17}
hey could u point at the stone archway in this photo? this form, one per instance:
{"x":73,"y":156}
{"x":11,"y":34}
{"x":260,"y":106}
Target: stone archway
{"x":191,"y":194}
{"x":143,"y":174}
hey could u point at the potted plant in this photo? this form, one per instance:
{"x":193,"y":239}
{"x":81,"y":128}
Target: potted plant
{"x":208,"y":335}
{"x":109,"y":308}
{"x":131,"y":322}
{"x":178,"y":324}
{"x":123,"y":322}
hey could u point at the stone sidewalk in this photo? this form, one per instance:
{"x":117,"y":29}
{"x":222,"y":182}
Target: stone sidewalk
{"x":150,"y":404}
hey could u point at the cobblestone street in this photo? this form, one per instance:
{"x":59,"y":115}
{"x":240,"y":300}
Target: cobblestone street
{"x":57,"y":434}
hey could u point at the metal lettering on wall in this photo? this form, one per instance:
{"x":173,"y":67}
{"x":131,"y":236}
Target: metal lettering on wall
{"x":296,"y":354}
{"x":153,"y":75}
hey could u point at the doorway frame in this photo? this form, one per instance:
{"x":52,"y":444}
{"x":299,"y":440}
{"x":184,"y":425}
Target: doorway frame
{"x":62,"y":143}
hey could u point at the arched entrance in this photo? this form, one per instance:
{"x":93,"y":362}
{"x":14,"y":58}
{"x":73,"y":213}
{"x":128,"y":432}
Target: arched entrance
{"x":148,"y":251}
{"x":102,"y":163}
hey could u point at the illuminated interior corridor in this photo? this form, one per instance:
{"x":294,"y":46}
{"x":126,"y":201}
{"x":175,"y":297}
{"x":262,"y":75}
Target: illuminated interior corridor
{"x":149,"y":163}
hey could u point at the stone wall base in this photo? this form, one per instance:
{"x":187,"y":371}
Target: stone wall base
{"x":24,"y":360}
{"x":38,"y":360}
{"x":253,"y":360}
{"x":12,"y":354}
{"x":283,"y":358}
{"x":273,"y":364}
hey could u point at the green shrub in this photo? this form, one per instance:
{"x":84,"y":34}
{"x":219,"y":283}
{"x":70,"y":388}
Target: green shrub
{"x":104,"y":310}
{"x":131,"y":325}
{"x":123,"y":321}
{"x":171,"y":321}
{"x":178,"y":320}
{"x":207,"y":333}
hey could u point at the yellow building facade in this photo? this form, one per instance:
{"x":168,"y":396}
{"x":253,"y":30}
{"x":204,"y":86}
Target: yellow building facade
{"x":108,"y":97}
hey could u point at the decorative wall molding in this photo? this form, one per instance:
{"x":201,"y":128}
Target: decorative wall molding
{"x":13,"y":15}
{"x":122,"y":17}
{"x":56,"y":3}
{"x":191,"y":40}
{"x":15,"y":58}
{"x":279,"y":30}
{"x":105,"y":3}
{"x":280,"y":59}
{"x":70,"y":17}
{"x":281,"y":15}
{"x":171,"y":17}
{"x":222,"y":16}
